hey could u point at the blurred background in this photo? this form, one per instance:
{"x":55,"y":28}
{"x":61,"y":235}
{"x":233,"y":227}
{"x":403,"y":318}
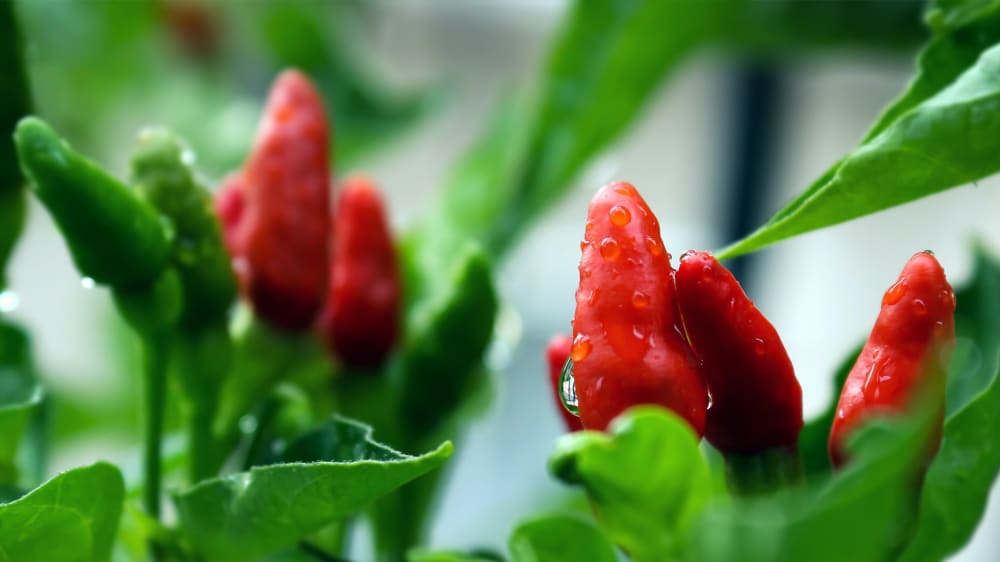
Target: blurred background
{"x":723,"y":143}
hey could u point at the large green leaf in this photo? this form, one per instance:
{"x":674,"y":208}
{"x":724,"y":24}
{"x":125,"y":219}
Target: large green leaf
{"x":977,"y":329}
{"x":559,"y":539}
{"x":71,"y":518}
{"x":938,"y":134}
{"x":646,"y":481}
{"x":20,"y":394}
{"x":251,"y":514}
{"x":947,"y":140}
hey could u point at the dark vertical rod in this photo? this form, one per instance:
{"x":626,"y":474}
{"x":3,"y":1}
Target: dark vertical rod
{"x":755,"y":126}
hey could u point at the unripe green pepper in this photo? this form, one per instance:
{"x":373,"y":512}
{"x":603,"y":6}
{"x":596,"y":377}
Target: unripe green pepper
{"x":166,"y":182}
{"x":114,"y":237}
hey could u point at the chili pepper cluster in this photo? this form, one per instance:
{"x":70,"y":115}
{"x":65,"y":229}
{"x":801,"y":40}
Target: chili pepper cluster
{"x":299,"y":265}
{"x":692,"y":341}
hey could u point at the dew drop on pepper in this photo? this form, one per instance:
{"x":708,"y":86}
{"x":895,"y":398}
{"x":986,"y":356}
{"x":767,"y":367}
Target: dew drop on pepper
{"x":610,"y":250}
{"x":581,"y":348}
{"x":919,"y":307}
{"x":619,"y":216}
{"x":567,"y":389}
{"x":896,"y":292}
{"x":654,"y":246}
{"x":640,"y":300}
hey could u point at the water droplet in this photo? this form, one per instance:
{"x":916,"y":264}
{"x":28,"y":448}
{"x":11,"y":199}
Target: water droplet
{"x":707,"y":273}
{"x":581,"y":348}
{"x":841,"y":414}
{"x":595,"y":293}
{"x":919,"y":307}
{"x":588,"y":227}
{"x":895,"y":292}
{"x":637,"y":332}
{"x":187,"y":157}
{"x":625,"y":190}
{"x":585,"y":272}
{"x":610,"y":249}
{"x":759,"y":346}
{"x":640,"y":300}
{"x":87,"y":283}
{"x":567,"y":389}
{"x":9,"y":301}
{"x":248,"y":424}
{"x":947,"y":297}
{"x":619,"y":215}
{"x":687,"y":254}
{"x":654,"y":246}
{"x":938,"y":329}
{"x":583,"y":245}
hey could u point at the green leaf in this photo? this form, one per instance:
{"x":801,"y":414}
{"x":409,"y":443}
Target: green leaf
{"x":977,"y":331}
{"x":15,"y":103}
{"x":20,"y":394}
{"x":861,"y":514}
{"x":646,"y":481}
{"x":250,"y":514}
{"x":71,"y":518}
{"x":451,"y":556}
{"x":946,"y":140}
{"x":559,"y":539}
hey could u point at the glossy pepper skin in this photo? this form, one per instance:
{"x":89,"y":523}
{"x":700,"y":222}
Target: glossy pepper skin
{"x":556,"y":354}
{"x":279,"y":239}
{"x":360,"y":319}
{"x":907,"y":352}
{"x":628,"y":348}
{"x":114,"y":236}
{"x":756,"y":399}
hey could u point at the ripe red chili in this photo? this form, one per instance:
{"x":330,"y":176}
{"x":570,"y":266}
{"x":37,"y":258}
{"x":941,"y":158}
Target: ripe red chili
{"x":628,"y":348}
{"x":756,"y":401}
{"x":556,"y":354}
{"x":277,"y":211}
{"x":908,"y":349}
{"x":360,"y":319}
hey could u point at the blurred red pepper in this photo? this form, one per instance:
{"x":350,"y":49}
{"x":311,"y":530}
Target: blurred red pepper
{"x":276,"y":212}
{"x":907,"y":352}
{"x":628,"y":347}
{"x":360,"y":319}
{"x":556,"y":354}
{"x":756,"y":400}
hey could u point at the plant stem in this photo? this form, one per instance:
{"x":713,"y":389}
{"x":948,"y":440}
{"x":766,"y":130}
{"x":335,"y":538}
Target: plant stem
{"x":764,"y":472}
{"x":201,"y":442}
{"x":156,"y":354}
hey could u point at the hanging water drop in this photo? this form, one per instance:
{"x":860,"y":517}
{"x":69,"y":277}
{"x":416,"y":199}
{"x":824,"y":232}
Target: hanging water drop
{"x":248,"y":424}
{"x":87,"y":283}
{"x":567,"y":389}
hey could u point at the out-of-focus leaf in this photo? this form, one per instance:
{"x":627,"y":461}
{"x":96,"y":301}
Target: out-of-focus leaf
{"x":14,"y":104}
{"x":20,"y":394}
{"x":977,"y":330}
{"x":862,"y":514}
{"x":71,"y":518}
{"x":559,"y":539}
{"x":647,"y":481}
{"x":251,"y":514}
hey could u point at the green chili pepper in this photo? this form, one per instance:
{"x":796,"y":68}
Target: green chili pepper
{"x":166,"y":182}
{"x":114,"y":236}
{"x":446,"y":343}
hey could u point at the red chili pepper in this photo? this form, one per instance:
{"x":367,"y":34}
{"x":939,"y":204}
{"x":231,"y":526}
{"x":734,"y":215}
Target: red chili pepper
{"x":557,"y":353}
{"x":628,"y":348}
{"x":277,"y":211}
{"x":756,"y":400}
{"x":907,"y":351}
{"x":360,"y":319}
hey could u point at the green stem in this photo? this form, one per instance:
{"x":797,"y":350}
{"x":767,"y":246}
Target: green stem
{"x":764,"y":472}
{"x":202,"y":447}
{"x":156,"y":353}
